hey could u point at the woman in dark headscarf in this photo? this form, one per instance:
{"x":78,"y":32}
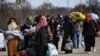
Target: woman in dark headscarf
{"x":27,"y":25}
{"x":12,"y":40}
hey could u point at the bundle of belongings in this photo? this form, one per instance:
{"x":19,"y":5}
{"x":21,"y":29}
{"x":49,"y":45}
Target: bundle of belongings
{"x":16,"y":33}
{"x":77,"y":16}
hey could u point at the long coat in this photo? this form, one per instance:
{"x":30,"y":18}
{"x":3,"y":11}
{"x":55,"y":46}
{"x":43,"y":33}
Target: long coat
{"x":90,"y":28}
{"x":68,"y":28}
{"x":38,"y":43}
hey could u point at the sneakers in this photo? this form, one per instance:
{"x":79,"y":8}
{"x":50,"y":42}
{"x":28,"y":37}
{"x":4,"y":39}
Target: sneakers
{"x":89,"y":52}
{"x":94,"y":49}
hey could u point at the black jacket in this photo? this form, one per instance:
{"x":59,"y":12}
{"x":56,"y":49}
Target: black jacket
{"x":53,"y":27}
{"x":90,"y":28}
{"x":67,"y":26}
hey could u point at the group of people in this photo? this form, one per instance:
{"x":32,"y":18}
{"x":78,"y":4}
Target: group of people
{"x":46,"y":30}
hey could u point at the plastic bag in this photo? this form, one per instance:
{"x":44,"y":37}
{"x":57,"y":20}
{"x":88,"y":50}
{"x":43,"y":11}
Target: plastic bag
{"x":68,"y":45}
{"x":52,"y":51}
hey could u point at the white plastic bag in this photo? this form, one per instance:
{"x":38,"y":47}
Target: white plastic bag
{"x":82,"y":43}
{"x":52,"y":51}
{"x":1,"y":40}
{"x":68,"y":45}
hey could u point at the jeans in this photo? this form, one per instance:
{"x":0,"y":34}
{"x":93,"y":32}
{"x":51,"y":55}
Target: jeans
{"x":75,"y":39}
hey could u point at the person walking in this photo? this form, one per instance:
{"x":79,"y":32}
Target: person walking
{"x":27,"y":25}
{"x":41,"y":37}
{"x":67,"y":28}
{"x":12,"y":40}
{"x":89,"y":31}
{"x":60,"y":21}
{"x":53,"y":26}
{"x":76,"y":33}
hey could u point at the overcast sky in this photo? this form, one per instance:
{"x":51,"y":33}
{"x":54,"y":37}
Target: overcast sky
{"x":59,"y":3}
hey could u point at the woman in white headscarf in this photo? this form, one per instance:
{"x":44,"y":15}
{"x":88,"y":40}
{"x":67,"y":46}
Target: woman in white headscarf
{"x":12,"y":39}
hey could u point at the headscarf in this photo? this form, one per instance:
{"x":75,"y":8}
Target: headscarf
{"x":29,"y":22}
{"x":12,"y":26}
{"x":42,"y":22}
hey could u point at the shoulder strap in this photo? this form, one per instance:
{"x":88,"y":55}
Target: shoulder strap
{"x":93,"y":26}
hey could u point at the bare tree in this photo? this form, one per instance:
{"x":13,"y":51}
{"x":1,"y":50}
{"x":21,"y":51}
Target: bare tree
{"x":93,"y":5}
